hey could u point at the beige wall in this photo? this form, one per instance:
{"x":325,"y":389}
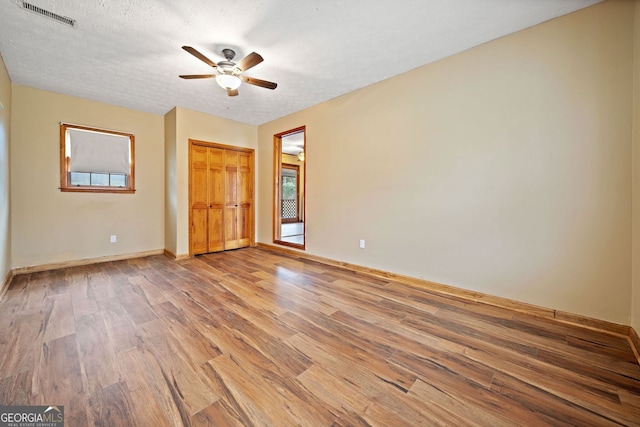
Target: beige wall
{"x":504,"y":169}
{"x":191,"y":124}
{"x":50,"y":226}
{"x":5,"y":200}
{"x":635,"y":296}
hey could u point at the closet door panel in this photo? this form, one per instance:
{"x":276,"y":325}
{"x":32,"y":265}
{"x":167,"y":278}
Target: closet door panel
{"x":198,"y":199}
{"x":198,"y":231}
{"x":231,"y":200}
{"x":245,"y":197}
{"x":216,"y":200}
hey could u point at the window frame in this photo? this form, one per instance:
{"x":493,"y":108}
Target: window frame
{"x":65,"y":163}
{"x":296,"y":175}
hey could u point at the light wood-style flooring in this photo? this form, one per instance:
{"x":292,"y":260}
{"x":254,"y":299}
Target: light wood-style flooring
{"x":251,"y":337}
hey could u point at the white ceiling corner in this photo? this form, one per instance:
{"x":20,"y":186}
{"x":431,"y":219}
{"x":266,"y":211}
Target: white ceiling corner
{"x":128,"y":52}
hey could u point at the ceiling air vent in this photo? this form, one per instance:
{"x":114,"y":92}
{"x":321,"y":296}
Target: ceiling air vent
{"x":40,"y":11}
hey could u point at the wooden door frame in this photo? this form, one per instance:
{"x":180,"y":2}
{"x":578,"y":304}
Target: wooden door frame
{"x":251,"y":151}
{"x":277,"y":196}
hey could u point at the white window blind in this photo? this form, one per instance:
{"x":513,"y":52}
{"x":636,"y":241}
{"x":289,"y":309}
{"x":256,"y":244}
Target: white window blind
{"x":98,"y":152}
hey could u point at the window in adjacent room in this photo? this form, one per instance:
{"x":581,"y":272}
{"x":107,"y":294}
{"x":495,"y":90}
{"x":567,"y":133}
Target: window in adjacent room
{"x":96,"y":160}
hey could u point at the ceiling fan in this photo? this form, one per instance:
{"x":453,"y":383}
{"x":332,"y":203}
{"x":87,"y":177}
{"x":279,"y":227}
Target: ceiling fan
{"x":229,"y":75}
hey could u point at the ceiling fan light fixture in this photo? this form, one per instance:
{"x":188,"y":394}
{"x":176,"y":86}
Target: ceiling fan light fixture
{"x":229,"y":75}
{"x":228,"y":81}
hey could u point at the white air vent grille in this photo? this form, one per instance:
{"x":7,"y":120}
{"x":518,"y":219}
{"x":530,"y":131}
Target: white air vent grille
{"x":40,"y":11}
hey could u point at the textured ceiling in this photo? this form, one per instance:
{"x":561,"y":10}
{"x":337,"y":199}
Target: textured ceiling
{"x":128,"y":52}
{"x":293,"y":144}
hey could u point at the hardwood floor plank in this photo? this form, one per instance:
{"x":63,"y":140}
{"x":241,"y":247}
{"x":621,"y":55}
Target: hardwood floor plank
{"x":99,"y":286}
{"x":82,"y":301}
{"x":437,"y":351}
{"x":358,"y":349}
{"x":57,"y":322}
{"x":151,"y":293}
{"x":551,"y":410}
{"x":274,"y":368}
{"x":602,"y":373}
{"x":256,"y":407}
{"x":233,"y":406}
{"x":217,"y":415}
{"x":59,"y":379}
{"x":281,"y":404}
{"x":110,"y":406}
{"x":234,"y":307}
{"x":16,"y":390}
{"x":340,"y":396}
{"x":133,"y":300}
{"x":564,"y":384}
{"x":21,"y":343}
{"x":619,"y":349}
{"x":200,"y":348}
{"x":151,"y":400}
{"x":293,"y":298}
{"x":376,"y":389}
{"x":95,"y":352}
{"x":256,"y":338}
{"x":249,"y":291}
{"x":120,"y":327}
{"x":463,"y":413}
{"x":183,"y":377}
{"x":243,"y":340}
{"x":229,"y":269}
{"x":586,"y":393}
{"x":544,"y":344}
{"x":479,"y":399}
{"x":459,"y":333}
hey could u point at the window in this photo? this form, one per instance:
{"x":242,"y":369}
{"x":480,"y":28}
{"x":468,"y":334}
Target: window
{"x":96,"y":160}
{"x":290,"y":193}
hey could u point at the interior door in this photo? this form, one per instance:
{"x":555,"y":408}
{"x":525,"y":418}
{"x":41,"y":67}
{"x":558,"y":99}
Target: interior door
{"x":220,"y":197}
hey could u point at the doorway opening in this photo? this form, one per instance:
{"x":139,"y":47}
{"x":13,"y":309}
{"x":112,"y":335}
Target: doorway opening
{"x":290,"y":178}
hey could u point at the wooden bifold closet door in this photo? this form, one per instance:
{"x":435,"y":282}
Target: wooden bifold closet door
{"x":220,"y":197}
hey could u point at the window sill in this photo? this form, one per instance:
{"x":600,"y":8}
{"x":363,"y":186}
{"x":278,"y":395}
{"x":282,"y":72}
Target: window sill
{"x":97,"y":190}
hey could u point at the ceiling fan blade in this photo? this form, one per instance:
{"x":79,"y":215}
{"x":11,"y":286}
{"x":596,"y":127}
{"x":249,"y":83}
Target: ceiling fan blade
{"x":198,"y":76}
{"x":232,"y":92}
{"x":249,"y":61}
{"x":258,"y":82}
{"x":200,"y":56}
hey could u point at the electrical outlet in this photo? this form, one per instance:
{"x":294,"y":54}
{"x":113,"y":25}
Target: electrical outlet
{"x":113,"y":238}
{"x":361,"y":244}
